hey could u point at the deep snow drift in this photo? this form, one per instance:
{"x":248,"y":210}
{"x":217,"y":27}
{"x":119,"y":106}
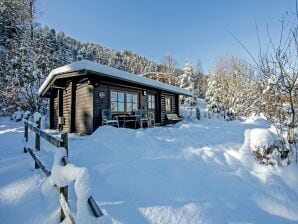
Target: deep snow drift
{"x":193,"y":172}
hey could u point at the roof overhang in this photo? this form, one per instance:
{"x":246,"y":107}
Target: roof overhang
{"x":85,"y":67}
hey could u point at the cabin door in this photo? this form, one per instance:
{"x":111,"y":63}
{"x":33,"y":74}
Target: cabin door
{"x":152,"y":107}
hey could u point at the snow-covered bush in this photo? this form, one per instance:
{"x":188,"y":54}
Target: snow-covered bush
{"x":17,"y":115}
{"x":232,"y":91}
{"x":267,"y":147}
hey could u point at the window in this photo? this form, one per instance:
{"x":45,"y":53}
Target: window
{"x":117,"y":101}
{"x":168,"y":104}
{"x":151,"y":101}
{"x":132,"y":102}
{"x":124,"y":101}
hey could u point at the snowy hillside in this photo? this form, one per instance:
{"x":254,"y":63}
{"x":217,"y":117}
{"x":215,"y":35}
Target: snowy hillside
{"x":194,"y":172}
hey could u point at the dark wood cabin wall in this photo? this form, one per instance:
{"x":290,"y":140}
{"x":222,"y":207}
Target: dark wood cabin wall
{"x":162,"y":108}
{"x":158,"y":107}
{"x":174,"y":105}
{"x":67,"y":108}
{"x":104,"y":103}
{"x":176,"y":96}
{"x":73,"y":106}
{"x":84,"y":108}
{"x":54,"y":110}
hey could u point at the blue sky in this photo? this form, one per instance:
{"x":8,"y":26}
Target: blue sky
{"x":194,"y":29}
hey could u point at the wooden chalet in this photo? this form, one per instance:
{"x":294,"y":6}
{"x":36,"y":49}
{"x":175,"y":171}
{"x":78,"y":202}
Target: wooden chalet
{"x":79,"y":93}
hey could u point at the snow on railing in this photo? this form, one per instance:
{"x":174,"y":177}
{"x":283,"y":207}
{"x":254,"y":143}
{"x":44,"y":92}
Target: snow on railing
{"x":62,"y":174}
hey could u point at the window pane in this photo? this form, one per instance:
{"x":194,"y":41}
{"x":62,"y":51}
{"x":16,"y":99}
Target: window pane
{"x":129,"y":107}
{"x":114,"y":96}
{"x":135,"y":107}
{"x":120,"y":106}
{"x":152,"y":105}
{"x":129,"y":97}
{"x":114,"y":106}
{"x":168,"y":104}
{"x":135,"y":98}
{"x":153,"y":98}
{"x":120,"y":97}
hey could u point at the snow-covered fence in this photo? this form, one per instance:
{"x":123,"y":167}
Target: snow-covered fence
{"x":58,"y":142}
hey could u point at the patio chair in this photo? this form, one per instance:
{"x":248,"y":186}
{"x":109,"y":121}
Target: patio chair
{"x":107,"y":118}
{"x":151,"y":119}
{"x":142,"y":118}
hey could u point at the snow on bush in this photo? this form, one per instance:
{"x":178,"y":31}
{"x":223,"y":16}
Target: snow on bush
{"x":36,"y":116}
{"x":264,"y":145}
{"x":17,"y":116}
{"x":261,"y":138}
{"x":62,"y":176}
{"x":27,"y":114}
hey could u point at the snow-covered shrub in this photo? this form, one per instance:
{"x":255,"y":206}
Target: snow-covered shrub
{"x":267,"y":147}
{"x":17,"y":115}
{"x":232,"y":91}
{"x":27,"y":114}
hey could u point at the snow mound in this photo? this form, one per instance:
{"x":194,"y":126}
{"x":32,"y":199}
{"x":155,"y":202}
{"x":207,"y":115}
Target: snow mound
{"x":261,"y":138}
{"x":36,"y":116}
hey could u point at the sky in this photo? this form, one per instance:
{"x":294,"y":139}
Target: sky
{"x":198,"y":30}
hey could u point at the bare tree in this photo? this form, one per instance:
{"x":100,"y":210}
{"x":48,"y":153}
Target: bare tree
{"x":170,"y":69}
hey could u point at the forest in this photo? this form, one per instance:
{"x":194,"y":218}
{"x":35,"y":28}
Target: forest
{"x":29,"y":52}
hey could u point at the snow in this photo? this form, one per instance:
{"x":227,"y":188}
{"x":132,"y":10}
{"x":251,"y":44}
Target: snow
{"x":36,"y":116}
{"x":109,"y":72}
{"x":62,"y":176}
{"x":261,"y":137}
{"x":197,"y":171}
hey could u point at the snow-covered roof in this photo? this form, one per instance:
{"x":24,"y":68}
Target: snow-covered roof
{"x":104,"y":70}
{"x":154,"y":73}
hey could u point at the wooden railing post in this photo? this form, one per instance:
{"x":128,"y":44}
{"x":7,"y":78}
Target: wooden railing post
{"x":37,"y":136}
{"x":37,"y":141}
{"x":64,"y":137}
{"x":64,"y":190}
{"x":25,"y":135}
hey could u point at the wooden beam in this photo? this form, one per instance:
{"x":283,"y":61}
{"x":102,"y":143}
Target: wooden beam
{"x":94,"y":207}
{"x":65,"y":208}
{"x":54,"y":141}
{"x":25,"y":136}
{"x":37,"y":136}
{"x":39,"y":163}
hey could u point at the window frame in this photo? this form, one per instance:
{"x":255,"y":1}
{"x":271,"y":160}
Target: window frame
{"x":151,"y":101}
{"x":170,"y":99}
{"x":135,"y":102}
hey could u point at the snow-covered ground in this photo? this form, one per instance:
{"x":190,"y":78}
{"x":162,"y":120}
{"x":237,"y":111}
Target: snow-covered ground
{"x":192,"y":172}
